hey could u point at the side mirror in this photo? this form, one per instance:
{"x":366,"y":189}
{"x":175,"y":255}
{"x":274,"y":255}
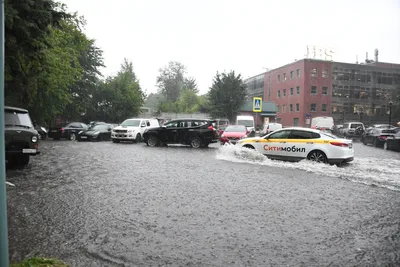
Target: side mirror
{"x":109,"y":129}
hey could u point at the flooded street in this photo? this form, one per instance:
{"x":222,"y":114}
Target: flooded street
{"x":105,"y":204}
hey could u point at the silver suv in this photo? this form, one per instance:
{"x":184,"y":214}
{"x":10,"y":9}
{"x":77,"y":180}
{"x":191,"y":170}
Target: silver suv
{"x":352,"y":129}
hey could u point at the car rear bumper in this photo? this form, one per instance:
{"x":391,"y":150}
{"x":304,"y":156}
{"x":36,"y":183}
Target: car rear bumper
{"x":25,"y":151}
{"x":341,"y":160}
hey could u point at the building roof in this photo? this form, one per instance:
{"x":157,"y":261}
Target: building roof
{"x":267,"y":107}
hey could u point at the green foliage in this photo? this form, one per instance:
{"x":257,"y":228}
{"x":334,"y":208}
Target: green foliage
{"x":171,"y":81}
{"x":226,"y":95}
{"x":40,"y":262}
{"x":117,"y":98}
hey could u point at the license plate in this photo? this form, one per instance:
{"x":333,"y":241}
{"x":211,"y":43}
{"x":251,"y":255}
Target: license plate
{"x":28,"y":150}
{"x":83,"y":137}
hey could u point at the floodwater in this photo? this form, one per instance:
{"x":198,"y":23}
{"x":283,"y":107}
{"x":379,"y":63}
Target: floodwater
{"x":105,"y":204}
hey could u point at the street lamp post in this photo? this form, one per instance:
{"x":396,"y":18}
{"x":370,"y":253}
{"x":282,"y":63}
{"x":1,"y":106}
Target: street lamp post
{"x":390,"y":113}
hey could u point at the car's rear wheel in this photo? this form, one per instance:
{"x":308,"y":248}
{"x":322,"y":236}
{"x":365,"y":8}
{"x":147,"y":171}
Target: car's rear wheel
{"x":195,"y":142}
{"x":317,"y":156}
{"x":385,"y":146}
{"x":153,"y":141}
{"x":138,"y":138}
{"x":72,"y":136}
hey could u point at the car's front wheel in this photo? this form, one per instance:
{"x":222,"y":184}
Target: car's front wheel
{"x":138,"y":138}
{"x":317,"y":156}
{"x":195,"y":142}
{"x":153,"y":141}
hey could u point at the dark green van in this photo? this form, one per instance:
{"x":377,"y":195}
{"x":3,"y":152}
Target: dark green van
{"x":21,"y":138}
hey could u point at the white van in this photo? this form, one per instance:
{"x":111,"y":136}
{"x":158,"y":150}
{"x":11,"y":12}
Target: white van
{"x":132,"y":129}
{"x":322,"y":122}
{"x":247,"y":121}
{"x":270,"y":127}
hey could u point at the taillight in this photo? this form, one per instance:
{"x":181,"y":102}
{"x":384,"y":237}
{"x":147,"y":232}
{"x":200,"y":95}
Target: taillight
{"x":62,"y":129}
{"x":339,"y":144}
{"x":210,"y":127}
{"x":383,"y":137}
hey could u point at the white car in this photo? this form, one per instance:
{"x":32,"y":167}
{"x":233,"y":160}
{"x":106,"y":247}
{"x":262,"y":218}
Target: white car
{"x":132,"y":129}
{"x":295,"y":144}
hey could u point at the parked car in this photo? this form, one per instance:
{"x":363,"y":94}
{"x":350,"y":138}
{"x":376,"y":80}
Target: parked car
{"x":270,"y":127}
{"x":21,"y":138}
{"x":247,"y":121}
{"x":70,"y":131}
{"x":133,"y":129}
{"x":99,"y":132}
{"x":377,"y":136}
{"x":393,"y":142}
{"x":93,"y":123}
{"x":42,"y":131}
{"x":296,"y":143}
{"x":352,"y":129}
{"x":194,"y":132}
{"x":233,"y":133}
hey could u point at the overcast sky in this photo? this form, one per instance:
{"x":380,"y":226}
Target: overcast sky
{"x":246,"y":36}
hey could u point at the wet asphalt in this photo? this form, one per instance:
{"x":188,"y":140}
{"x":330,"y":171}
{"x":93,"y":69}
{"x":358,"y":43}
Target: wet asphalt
{"x":105,"y":204}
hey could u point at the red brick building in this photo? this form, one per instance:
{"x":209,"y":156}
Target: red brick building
{"x":310,"y":88}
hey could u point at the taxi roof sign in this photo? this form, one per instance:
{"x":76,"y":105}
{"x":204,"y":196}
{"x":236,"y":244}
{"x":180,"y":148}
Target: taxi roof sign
{"x":257,"y":104}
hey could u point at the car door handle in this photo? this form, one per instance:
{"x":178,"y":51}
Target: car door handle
{"x":310,"y":142}
{"x":283,"y":142}
{"x":174,"y":130}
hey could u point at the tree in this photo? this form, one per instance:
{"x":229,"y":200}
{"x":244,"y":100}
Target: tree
{"x":226,"y":95}
{"x":119,"y":97}
{"x":171,"y":80}
{"x":27,"y":26}
{"x":190,"y":84}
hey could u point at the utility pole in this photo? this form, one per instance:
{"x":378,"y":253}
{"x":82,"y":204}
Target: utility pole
{"x":3,"y":198}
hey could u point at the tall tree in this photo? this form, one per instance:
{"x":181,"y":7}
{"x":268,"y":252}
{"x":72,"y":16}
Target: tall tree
{"x":27,"y":26}
{"x":171,"y":80}
{"x":226,"y":95}
{"x":190,"y":83}
{"x":119,"y":97}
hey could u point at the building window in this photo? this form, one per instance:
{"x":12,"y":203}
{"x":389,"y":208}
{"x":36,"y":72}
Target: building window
{"x":278,"y":108}
{"x":283,"y":108}
{"x":291,"y":91}
{"x":314,"y":72}
{"x":313,"y":107}
{"x":295,"y":121}
{"x":313,"y":90}
{"x":324,"y":90}
{"x":325,"y":73}
{"x":298,"y":73}
{"x":298,"y":89}
{"x":324,"y":107}
{"x":284,"y":92}
{"x":279,"y":78}
{"x":291,"y":107}
{"x":284,"y":76}
{"x":297,"y":107}
{"x":291,"y":75}
{"x":279,"y":93}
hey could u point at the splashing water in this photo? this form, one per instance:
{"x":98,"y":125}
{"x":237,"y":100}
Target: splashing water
{"x":365,"y":170}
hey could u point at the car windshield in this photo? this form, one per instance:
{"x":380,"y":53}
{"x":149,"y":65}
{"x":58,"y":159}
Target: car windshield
{"x":236,"y":128}
{"x":99,"y":127}
{"x":355,"y":125}
{"x":12,"y":118}
{"x":133,"y":123}
{"x":247,"y":123}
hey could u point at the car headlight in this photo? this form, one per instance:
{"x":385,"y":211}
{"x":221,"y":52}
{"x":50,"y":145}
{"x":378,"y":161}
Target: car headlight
{"x":80,"y":132}
{"x":43,"y":129}
{"x":96,"y":133}
{"x":222,"y":135}
{"x":34,"y":139}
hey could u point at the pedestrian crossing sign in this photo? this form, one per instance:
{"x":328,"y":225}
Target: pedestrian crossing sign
{"x":257,"y":104}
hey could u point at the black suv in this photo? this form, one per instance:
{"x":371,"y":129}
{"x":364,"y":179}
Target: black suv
{"x":194,"y":132}
{"x":21,"y":138}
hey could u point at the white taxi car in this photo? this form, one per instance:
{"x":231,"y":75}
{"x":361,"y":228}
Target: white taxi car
{"x":295,"y":144}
